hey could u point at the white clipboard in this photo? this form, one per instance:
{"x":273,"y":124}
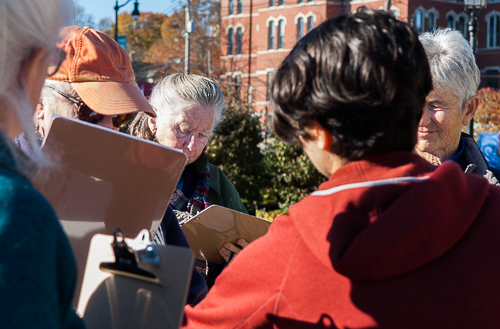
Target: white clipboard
{"x":109,"y":301}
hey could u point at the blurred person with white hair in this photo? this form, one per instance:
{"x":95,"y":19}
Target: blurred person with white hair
{"x":451,"y":105}
{"x":38,"y":269}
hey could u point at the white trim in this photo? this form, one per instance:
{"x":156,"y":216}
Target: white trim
{"x":373,"y":183}
{"x":240,"y":25}
{"x":279,"y":18}
{"x":269,"y":19}
{"x":230,"y":26}
{"x":313,"y":15}
{"x":272,"y":51}
{"x":434,"y":11}
{"x":296,"y":18}
{"x":238,"y":16}
{"x":304,"y":4}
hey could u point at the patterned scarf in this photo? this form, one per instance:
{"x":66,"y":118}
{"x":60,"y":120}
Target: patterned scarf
{"x":199,"y":201}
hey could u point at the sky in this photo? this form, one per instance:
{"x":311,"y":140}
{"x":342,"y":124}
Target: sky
{"x":105,"y":8}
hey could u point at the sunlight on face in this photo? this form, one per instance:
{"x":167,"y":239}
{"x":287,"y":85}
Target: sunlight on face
{"x":189,"y":131}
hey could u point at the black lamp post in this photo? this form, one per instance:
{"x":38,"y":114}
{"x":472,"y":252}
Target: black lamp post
{"x":135,"y":14}
{"x":474,"y":6}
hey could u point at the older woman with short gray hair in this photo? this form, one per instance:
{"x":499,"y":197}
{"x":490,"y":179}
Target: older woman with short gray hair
{"x":188,"y":109}
{"x":451,"y":104}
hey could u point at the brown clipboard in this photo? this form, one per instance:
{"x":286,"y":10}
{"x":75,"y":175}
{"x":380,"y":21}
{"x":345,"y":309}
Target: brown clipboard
{"x":115,"y":301}
{"x":211,"y":228}
{"x":101,"y":179}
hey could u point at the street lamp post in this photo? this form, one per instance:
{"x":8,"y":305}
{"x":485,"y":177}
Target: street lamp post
{"x":474,"y":6}
{"x":135,"y":14}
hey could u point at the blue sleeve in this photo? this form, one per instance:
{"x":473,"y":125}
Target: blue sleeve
{"x":170,"y":232}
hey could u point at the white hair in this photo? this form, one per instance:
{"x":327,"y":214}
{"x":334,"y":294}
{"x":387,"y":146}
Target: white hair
{"x":26,"y":25}
{"x":452,"y":62}
{"x":176,"y":92}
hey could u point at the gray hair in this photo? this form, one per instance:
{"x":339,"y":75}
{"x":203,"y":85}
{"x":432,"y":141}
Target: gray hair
{"x":452,"y":62}
{"x":26,"y":25}
{"x":178,"y":91}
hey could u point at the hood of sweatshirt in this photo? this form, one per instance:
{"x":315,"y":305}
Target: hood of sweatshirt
{"x":389,"y":215}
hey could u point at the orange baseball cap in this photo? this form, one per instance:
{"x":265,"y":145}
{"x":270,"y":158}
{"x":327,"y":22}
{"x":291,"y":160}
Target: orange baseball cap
{"x":100,"y":71}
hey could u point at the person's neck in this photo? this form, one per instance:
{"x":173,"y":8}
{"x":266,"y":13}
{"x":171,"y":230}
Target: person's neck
{"x":436,"y":159}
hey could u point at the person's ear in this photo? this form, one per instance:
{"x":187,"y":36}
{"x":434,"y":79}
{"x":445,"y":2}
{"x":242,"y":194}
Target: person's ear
{"x":152,"y":125}
{"x":320,"y":135}
{"x":470,"y":109}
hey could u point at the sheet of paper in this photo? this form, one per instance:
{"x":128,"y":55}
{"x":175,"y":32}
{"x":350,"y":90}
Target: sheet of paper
{"x":210,"y":229}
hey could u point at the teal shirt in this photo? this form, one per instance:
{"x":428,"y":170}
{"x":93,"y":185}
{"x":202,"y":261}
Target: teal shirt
{"x":37,"y":266}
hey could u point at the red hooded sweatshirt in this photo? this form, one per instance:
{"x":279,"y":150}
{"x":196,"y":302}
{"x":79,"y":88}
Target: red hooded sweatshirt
{"x":389,"y":242}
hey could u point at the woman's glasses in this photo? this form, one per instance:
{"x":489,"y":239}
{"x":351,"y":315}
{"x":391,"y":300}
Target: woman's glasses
{"x":86,"y":114}
{"x":55,"y":61}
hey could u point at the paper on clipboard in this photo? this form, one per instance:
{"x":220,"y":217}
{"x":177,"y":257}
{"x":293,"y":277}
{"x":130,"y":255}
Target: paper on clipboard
{"x":102,"y":179}
{"x":114,"y":301}
{"x":210,"y":229}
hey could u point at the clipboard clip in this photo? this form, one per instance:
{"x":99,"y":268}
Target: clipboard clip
{"x":125,"y":260}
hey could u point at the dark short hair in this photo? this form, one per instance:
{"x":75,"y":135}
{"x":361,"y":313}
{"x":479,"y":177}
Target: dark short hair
{"x":363,"y":76}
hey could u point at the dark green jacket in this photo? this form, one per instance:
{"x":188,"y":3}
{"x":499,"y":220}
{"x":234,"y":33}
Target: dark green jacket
{"x":222,"y":192}
{"x":37,"y":266}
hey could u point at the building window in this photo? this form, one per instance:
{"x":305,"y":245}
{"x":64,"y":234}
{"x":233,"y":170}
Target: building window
{"x":493,"y":31}
{"x":271,"y":35}
{"x":240,"y":7}
{"x":462,"y":26}
{"x":450,"y":22}
{"x":237,"y":86}
{"x":309,"y":0}
{"x":419,"y":21}
{"x":269,"y":80}
{"x":492,"y":78}
{"x":281,"y":34}
{"x":431,"y":22}
{"x":230,"y":41}
{"x":300,"y":1}
{"x":231,"y":7}
{"x":272,"y":3}
{"x":239,"y":39}
{"x":310,"y":23}
{"x":281,"y":2}
{"x":300,"y":28}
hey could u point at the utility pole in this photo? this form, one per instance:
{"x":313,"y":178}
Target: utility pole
{"x":388,"y":5}
{"x":250,"y":57}
{"x":187,"y":33}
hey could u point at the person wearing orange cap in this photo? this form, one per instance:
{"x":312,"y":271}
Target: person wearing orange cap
{"x":95,"y":83}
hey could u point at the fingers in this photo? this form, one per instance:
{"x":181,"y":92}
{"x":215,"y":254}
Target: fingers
{"x":230,"y":250}
{"x":242,"y":242}
{"x":226,"y":254}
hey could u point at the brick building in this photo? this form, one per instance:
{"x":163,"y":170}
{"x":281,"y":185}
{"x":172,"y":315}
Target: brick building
{"x":256,"y":35}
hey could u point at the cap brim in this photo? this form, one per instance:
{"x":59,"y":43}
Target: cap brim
{"x":110,"y":98}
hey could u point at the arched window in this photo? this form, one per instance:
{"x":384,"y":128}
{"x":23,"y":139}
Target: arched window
{"x":431,"y":22}
{"x":300,"y":28}
{"x":239,"y":38}
{"x":272,"y":3}
{"x":271,"y":35}
{"x":493,"y":31}
{"x":231,"y":7}
{"x":419,"y":21}
{"x":310,"y":23}
{"x":230,"y":41}
{"x":450,"y":22}
{"x":281,"y":34}
{"x":462,"y":26}
{"x":240,"y":7}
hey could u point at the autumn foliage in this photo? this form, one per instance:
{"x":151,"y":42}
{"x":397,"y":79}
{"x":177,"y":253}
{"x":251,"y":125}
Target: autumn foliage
{"x":487,"y":117}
